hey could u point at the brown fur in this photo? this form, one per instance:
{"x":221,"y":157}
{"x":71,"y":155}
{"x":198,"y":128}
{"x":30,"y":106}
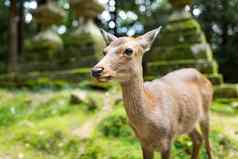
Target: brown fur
{"x":162,"y":109}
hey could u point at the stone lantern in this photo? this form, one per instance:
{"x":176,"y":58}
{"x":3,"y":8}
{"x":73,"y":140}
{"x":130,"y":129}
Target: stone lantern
{"x":180,"y":4}
{"x":47,"y":40}
{"x":182,"y":44}
{"x":85,"y":43}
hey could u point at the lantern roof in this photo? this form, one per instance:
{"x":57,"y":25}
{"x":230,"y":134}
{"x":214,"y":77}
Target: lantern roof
{"x":49,"y":14}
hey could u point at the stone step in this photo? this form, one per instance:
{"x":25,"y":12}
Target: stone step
{"x":226,"y":91}
{"x":215,"y":79}
{"x":80,"y":76}
{"x":182,"y":25}
{"x":188,"y":37}
{"x":161,"y":68}
{"x":57,"y":65}
{"x":181,"y":52}
{"x":73,"y":75}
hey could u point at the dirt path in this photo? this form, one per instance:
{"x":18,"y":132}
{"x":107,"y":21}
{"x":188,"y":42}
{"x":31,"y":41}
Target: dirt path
{"x":87,"y":128}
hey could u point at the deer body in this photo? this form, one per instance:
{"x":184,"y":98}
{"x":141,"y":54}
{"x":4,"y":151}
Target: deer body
{"x":162,"y":109}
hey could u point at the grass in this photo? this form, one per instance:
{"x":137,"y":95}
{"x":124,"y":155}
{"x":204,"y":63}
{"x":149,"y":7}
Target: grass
{"x":40,"y":124}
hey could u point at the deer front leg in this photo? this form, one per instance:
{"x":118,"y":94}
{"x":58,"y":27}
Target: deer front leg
{"x":165,"y":149}
{"x":147,"y":153}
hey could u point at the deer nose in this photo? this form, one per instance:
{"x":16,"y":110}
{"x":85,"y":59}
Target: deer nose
{"x":96,"y":72}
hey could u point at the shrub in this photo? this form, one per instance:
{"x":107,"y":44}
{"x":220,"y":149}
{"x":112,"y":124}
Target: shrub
{"x":115,"y":126}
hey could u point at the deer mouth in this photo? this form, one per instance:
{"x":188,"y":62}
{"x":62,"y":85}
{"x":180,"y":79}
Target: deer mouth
{"x":104,"y":78}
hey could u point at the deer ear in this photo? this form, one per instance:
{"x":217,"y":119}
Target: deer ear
{"x":108,"y":37}
{"x":148,"y":38}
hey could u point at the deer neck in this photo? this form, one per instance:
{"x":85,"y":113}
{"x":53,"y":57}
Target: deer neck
{"x":134,"y":97}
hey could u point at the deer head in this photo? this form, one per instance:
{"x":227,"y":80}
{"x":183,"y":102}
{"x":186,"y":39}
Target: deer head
{"x":123,"y":56}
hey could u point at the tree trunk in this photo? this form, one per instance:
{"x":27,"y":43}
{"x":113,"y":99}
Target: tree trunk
{"x":115,"y":18}
{"x":21,"y":27}
{"x":13,"y":38}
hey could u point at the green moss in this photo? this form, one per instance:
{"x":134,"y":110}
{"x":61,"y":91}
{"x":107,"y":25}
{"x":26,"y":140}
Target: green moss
{"x":48,"y":122}
{"x":216,"y":79}
{"x":180,"y":52}
{"x":183,"y":25}
{"x":115,"y":126}
{"x":226,"y":91}
{"x":47,"y":40}
{"x":180,"y":3}
{"x":87,"y":39}
{"x":75,"y":39}
{"x":161,"y":68}
{"x":225,"y":107}
{"x":24,"y":107}
{"x":175,"y":38}
{"x":53,"y":78}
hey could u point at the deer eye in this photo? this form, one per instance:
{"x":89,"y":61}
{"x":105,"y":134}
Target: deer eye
{"x":104,"y":53}
{"x":128,"y":51}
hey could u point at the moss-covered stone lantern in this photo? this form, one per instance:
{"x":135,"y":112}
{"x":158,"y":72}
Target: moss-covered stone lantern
{"x":180,"y":4}
{"x":85,"y":43}
{"x":182,"y":43}
{"x":46,"y":41}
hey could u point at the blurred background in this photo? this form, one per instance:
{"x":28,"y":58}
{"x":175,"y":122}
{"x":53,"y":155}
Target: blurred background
{"x":51,"y":108}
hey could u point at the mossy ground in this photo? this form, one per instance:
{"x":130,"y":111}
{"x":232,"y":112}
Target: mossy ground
{"x":41,"y":124}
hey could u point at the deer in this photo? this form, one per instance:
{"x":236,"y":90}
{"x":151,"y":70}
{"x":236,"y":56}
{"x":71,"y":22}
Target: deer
{"x":159,"y":110}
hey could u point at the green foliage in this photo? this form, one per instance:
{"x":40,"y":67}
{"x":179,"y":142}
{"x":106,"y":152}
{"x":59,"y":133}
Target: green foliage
{"x":115,"y":126}
{"x":13,"y":111}
{"x":92,"y":151}
{"x":225,"y":107}
{"x":24,"y":107}
{"x":43,"y":122}
{"x":54,"y":143}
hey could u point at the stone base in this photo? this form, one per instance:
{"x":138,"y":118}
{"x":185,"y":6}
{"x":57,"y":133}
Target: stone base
{"x":226,"y":91}
{"x":81,"y":77}
{"x":74,"y":75}
{"x":161,"y":68}
{"x":216,"y":79}
{"x":181,"y":52}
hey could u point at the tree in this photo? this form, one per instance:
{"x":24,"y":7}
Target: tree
{"x":21,"y":27}
{"x":4,"y":36}
{"x":13,"y":37}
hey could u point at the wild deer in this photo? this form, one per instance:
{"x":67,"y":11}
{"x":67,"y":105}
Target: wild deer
{"x":162,"y":109}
